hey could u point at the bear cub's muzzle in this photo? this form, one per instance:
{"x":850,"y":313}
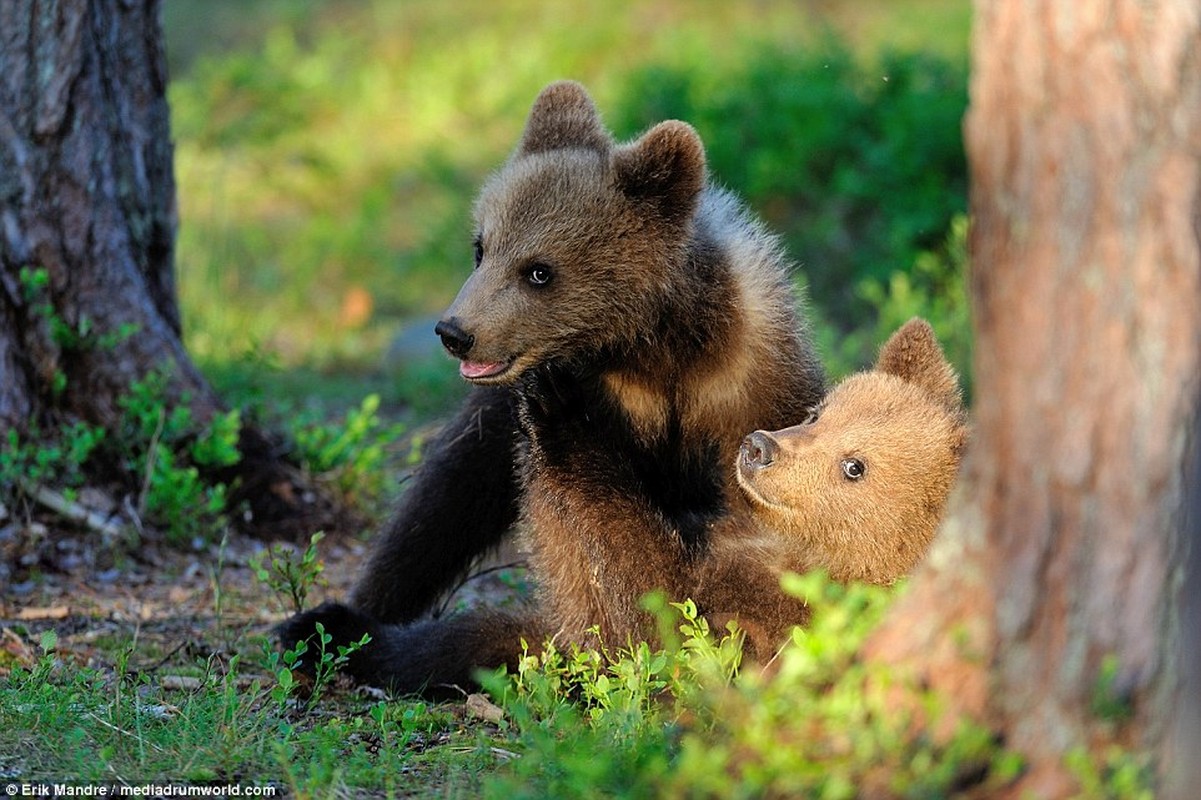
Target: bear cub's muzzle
{"x":759,"y":449}
{"x":457,"y":341}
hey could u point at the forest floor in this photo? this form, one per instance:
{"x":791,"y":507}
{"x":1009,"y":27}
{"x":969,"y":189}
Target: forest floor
{"x":171,"y":606}
{"x":183,"y":628}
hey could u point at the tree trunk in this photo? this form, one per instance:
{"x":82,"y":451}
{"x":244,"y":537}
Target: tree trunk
{"x":1184,"y":770}
{"x":87,"y":193}
{"x":1051,"y":600}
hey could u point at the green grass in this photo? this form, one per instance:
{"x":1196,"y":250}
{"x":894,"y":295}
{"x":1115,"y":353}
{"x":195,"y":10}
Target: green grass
{"x":125,"y":719}
{"x":686,"y":720}
{"x":60,"y":722}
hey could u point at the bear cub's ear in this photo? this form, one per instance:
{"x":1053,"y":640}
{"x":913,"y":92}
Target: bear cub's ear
{"x":913,"y":354}
{"x":665,"y":166}
{"x":564,"y":116}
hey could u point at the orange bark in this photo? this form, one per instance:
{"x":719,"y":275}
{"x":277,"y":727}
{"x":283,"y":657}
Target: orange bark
{"x":1064,"y":547}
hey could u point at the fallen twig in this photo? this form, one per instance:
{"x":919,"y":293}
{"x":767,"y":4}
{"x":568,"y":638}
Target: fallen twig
{"x":73,"y":511}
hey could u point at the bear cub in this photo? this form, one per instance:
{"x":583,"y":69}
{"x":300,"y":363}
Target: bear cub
{"x":857,"y":489}
{"x":625,"y":326}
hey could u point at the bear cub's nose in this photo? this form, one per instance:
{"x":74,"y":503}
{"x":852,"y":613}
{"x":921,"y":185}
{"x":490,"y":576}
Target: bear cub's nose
{"x":456,"y":340}
{"x":759,"y":449}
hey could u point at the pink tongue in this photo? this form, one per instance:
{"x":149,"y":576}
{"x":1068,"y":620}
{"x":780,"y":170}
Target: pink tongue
{"x":478,"y":369}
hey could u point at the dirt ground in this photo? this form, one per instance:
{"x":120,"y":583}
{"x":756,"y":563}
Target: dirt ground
{"x":174,"y":606}
{"x":171,"y":604}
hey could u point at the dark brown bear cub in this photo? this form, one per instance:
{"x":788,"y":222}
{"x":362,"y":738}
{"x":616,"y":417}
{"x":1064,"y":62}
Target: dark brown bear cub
{"x":626,"y":325}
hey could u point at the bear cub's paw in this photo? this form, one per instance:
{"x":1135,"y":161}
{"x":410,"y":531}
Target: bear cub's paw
{"x":340,"y":622}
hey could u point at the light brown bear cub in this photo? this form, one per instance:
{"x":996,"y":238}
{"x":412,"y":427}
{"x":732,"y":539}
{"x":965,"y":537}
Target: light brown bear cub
{"x":858,"y":489}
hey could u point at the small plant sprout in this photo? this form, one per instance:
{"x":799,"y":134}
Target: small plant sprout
{"x":289,"y":576}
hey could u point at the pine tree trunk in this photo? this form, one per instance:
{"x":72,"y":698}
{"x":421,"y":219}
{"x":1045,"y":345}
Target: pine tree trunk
{"x":1053,"y":591}
{"x":87,"y":193}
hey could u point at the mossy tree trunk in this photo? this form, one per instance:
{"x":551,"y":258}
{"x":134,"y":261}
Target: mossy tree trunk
{"x":87,"y":193}
{"x":1051,"y":602}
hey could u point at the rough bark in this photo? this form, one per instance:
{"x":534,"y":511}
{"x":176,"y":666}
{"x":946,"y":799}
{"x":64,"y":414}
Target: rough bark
{"x":87,"y":192}
{"x":1065,"y":544}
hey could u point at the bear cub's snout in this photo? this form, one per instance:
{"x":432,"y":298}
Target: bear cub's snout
{"x":457,"y":341}
{"x":759,"y":449}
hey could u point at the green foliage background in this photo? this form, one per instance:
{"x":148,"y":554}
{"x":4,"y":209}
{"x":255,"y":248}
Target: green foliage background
{"x":329,"y":152}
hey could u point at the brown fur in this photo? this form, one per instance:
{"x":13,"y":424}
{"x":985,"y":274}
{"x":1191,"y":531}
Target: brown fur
{"x":661,"y":329}
{"x":684,"y":354}
{"x":904,"y":421}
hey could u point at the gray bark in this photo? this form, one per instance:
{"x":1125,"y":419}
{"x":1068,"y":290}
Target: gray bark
{"x":87,"y":192}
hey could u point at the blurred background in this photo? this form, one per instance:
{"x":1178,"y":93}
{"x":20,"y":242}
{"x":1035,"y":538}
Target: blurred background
{"x":327,"y":154}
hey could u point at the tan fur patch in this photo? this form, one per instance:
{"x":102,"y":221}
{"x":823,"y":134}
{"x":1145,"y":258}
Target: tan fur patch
{"x":720,"y":390}
{"x":646,"y":405}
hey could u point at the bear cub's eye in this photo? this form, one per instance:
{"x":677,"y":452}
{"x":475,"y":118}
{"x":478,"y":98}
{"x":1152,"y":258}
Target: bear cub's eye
{"x":853,"y":468}
{"x":538,"y":274}
{"x":478,"y":244}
